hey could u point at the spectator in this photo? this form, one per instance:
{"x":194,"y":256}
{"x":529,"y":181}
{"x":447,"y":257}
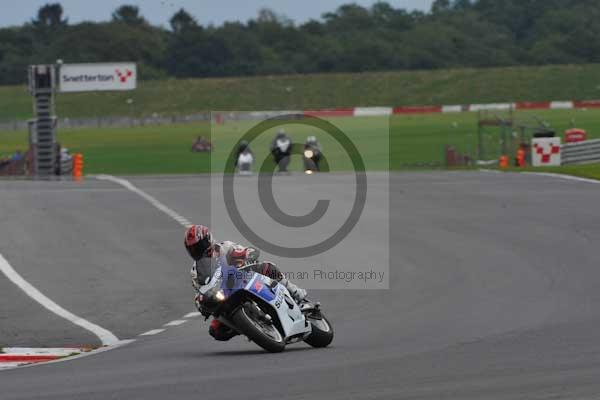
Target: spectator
{"x":66,"y":162}
{"x":4,"y":161}
{"x":18,"y":156}
{"x":13,"y":165}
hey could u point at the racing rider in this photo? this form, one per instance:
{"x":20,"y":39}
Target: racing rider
{"x":205,"y":252}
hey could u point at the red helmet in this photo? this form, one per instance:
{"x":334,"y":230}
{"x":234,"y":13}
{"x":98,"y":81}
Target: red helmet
{"x":233,"y":253}
{"x":198,"y":241}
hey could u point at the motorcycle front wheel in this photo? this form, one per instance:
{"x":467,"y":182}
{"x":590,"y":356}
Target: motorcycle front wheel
{"x":249,"y":319}
{"x":322,"y":331}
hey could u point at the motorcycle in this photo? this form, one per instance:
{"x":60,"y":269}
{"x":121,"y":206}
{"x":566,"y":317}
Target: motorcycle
{"x":262,"y":309}
{"x":282,"y":150}
{"x":311,"y":157}
{"x":245,"y":163}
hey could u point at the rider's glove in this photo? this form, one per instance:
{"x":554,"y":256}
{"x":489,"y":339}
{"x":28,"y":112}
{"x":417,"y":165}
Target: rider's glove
{"x":197,"y":300}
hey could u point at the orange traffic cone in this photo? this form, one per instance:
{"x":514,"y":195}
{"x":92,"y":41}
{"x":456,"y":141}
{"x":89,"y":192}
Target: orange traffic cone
{"x":78,"y":166}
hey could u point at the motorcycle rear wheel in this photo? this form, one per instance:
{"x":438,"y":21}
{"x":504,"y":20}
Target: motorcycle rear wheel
{"x":264,"y":334}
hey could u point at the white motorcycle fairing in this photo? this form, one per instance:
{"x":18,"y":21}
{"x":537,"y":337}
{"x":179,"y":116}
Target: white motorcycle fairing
{"x":292,"y":320}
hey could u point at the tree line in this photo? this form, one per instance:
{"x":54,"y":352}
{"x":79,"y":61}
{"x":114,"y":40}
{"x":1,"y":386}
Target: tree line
{"x":352,"y":38}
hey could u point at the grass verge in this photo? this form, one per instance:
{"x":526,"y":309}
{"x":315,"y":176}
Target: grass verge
{"x":397,"y":143}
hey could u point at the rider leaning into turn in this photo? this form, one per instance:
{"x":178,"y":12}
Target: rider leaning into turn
{"x":205,"y":251}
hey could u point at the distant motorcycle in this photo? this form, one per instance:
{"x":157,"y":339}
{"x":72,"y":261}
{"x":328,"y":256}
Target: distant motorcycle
{"x":281,"y":149}
{"x":245,"y":162}
{"x":262,"y":309}
{"x":245,"y":158}
{"x":312,"y":158}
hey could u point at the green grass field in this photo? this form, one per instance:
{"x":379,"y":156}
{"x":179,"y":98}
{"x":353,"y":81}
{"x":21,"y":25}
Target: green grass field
{"x":408,"y":140}
{"x":188,"y":96}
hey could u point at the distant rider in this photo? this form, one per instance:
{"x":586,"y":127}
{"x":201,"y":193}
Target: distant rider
{"x":281,"y":148}
{"x":244,"y":158}
{"x":206,"y":254}
{"x":312,"y":147}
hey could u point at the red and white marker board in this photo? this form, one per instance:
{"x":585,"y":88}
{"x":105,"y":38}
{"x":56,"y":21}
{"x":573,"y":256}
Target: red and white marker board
{"x":545,"y":152}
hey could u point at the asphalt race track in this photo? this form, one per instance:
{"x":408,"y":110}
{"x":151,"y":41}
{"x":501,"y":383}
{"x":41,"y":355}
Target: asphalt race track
{"x":495,"y":294}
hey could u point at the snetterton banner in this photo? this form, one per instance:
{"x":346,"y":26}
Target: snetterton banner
{"x":97,"y":77}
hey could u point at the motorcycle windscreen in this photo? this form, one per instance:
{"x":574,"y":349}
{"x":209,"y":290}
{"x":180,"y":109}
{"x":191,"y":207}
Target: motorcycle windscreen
{"x":233,"y":279}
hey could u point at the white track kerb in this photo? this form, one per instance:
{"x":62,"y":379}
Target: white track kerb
{"x":548,"y":175}
{"x":565,"y":177}
{"x":105,"y":336}
{"x":128,"y":185}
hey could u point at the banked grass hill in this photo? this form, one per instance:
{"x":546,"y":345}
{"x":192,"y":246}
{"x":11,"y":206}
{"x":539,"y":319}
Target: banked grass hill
{"x":298,"y":92}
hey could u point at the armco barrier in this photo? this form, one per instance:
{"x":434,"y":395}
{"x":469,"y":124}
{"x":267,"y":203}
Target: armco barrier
{"x":111,"y":122}
{"x":581,"y":152}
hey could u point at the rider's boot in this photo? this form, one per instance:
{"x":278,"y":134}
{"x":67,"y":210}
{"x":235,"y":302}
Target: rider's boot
{"x":221,"y":332}
{"x":297,"y":293}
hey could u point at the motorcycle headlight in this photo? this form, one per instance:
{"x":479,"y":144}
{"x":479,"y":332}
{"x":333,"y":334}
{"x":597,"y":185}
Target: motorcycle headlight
{"x":308,"y":153}
{"x":213,"y":299}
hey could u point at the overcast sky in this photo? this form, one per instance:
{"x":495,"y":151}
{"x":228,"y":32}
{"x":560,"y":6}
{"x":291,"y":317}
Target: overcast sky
{"x":16,"y":12}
